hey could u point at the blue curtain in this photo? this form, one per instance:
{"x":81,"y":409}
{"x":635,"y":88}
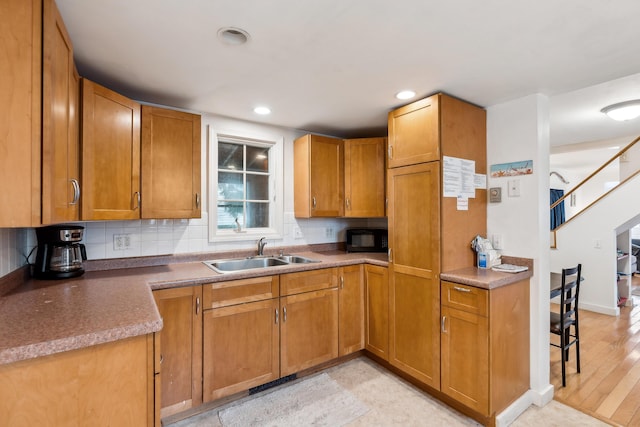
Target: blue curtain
{"x":557,"y":213}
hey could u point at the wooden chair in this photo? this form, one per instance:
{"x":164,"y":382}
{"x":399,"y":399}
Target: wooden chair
{"x":561,"y":323}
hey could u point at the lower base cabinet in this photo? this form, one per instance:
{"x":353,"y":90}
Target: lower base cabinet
{"x":350,"y":310}
{"x":485,"y":345}
{"x":108,"y":384}
{"x":376,"y":316}
{"x":180,"y":348}
{"x":241,"y":348}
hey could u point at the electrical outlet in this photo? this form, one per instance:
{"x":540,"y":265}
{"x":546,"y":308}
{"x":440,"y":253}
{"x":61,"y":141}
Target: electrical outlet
{"x":297,"y":233}
{"x":497,"y":241}
{"x":121,"y":242}
{"x":328,"y":232}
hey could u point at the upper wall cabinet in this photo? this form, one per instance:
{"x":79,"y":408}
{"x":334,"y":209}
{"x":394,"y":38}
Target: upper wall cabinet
{"x":318,"y":177}
{"x":414,"y":133}
{"x":60,"y":124}
{"x":110,"y":154}
{"x":171,"y":147}
{"x":20,"y":112}
{"x":364,"y":177}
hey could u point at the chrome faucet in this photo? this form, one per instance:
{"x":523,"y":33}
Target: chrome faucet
{"x":261,"y":244}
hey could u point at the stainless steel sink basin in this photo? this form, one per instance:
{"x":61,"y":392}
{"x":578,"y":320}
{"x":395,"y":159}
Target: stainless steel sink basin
{"x":295,"y":259}
{"x":238,"y":264}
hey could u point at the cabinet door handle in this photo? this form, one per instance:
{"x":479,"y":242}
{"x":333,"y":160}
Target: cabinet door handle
{"x":161,"y":358}
{"x":348,"y":204}
{"x":390,"y":151}
{"x":390,"y":253}
{"x":197,"y":200}
{"x":313,"y":202}
{"x":284,"y":314}
{"x":442,"y":322}
{"x":197,"y":305}
{"x":76,"y":191}
{"x":138,"y":200}
{"x":277,"y":316}
{"x":341,"y":282}
{"x":459,"y":289}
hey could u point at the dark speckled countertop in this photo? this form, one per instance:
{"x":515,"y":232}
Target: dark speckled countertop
{"x":40,"y":317}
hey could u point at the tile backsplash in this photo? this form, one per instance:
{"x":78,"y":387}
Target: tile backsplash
{"x":171,"y":236}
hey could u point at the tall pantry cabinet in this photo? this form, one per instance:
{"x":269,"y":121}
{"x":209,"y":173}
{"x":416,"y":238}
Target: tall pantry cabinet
{"x":428,"y":233}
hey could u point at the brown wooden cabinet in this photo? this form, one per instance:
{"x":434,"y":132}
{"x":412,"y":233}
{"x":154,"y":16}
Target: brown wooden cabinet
{"x":414,"y":268}
{"x":20,"y":112}
{"x":309,"y":325}
{"x":110,"y":154}
{"x":241,"y":335}
{"x":414,"y":133}
{"x":103,"y":385}
{"x":350,"y":309}
{"x":485,"y":345}
{"x":364,"y":177}
{"x":427,"y":232}
{"x":180,"y":348}
{"x":60,"y":122}
{"x":171,"y":147}
{"x":318,"y":181}
{"x":376,"y":281}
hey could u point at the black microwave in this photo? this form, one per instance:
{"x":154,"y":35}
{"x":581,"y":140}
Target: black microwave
{"x":367,"y":240}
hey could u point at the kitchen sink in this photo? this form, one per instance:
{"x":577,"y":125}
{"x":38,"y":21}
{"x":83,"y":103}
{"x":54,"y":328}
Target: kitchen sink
{"x":295,"y":259}
{"x":239,"y":264}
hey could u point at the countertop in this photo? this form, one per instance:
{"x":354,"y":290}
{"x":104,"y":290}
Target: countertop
{"x":43,"y":317}
{"x":487,"y":278}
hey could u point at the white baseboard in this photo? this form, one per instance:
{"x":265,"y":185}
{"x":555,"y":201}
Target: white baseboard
{"x":531,"y":397}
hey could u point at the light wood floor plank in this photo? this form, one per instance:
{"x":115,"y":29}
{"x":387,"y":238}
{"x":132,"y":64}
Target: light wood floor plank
{"x":608,"y":386}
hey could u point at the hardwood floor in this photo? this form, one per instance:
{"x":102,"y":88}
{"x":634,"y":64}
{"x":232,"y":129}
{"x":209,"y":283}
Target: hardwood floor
{"x":608,"y":386}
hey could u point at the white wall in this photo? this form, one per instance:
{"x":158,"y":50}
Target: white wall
{"x":12,"y":248}
{"x":519,"y":130}
{"x":590,"y":239}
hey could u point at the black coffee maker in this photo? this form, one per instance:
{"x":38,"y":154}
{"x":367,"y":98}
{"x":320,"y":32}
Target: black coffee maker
{"x":59,"y":254}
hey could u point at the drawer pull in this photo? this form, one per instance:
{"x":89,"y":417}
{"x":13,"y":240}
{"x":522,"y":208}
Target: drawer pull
{"x":459,"y":289}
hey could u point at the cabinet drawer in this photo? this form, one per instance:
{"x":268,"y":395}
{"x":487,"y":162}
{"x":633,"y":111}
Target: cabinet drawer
{"x":306,"y":281}
{"x":464,"y":297}
{"x":222,"y":294}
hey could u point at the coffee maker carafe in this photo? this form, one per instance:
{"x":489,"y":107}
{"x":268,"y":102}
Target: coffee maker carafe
{"x":59,"y":254}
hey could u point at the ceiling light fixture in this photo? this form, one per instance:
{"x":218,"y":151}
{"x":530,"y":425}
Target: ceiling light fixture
{"x":405,"y":94}
{"x":623,"y":111}
{"x":233,"y":36}
{"x":263,"y":111}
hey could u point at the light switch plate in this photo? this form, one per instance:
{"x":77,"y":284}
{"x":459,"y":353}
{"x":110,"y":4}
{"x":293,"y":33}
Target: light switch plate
{"x":514,"y":188}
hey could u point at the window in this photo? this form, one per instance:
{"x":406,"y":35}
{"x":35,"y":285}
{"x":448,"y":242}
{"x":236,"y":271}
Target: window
{"x":245,"y":188}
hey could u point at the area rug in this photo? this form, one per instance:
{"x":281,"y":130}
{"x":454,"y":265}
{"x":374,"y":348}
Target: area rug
{"x":315,"y":401}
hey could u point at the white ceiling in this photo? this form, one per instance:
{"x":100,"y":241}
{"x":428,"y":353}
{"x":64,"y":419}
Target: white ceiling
{"x":334,"y":66}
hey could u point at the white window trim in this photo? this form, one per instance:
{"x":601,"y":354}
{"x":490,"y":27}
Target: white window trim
{"x":276,"y":165}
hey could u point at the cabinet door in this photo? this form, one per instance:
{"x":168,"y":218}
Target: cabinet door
{"x":60,"y":91}
{"x":241,"y":348}
{"x":414,"y":269}
{"x":351,"y":310}
{"x":364,"y":177}
{"x":110,"y":154}
{"x":171,"y":147}
{"x":465,"y":358}
{"x":309,"y":330}
{"x":318,"y":180}
{"x":414,"y":133}
{"x":180,"y":348}
{"x":377,"y":310}
{"x":20,"y":115}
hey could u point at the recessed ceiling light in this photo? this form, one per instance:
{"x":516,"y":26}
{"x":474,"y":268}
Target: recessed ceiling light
{"x":405,"y":94}
{"x":233,"y":35}
{"x":623,"y":111}
{"x":263,"y":111}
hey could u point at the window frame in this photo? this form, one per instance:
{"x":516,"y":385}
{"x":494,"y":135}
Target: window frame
{"x":276,"y":190}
